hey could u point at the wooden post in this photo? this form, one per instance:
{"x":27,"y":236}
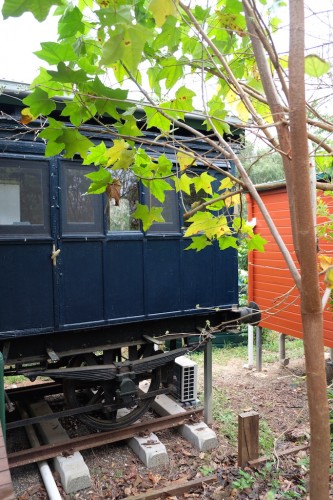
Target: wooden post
{"x":248,"y":437}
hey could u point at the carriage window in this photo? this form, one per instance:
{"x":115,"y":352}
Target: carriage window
{"x":170,"y":212}
{"x":81,"y":213}
{"x":24,"y":197}
{"x":122,"y":199}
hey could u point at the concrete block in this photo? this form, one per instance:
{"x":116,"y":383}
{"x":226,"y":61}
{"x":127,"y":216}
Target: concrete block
{"x":199,"y":434}
{"x":150,"y":450}
{"x":74,"y":473}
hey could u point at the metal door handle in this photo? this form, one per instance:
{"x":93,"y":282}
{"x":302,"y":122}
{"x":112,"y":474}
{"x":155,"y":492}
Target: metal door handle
{"x":54,"y":255}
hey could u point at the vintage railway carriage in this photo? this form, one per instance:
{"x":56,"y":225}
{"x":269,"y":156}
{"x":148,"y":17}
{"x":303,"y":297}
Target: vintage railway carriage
{"x":85,"y":293}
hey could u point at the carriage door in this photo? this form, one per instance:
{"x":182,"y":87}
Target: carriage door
{"x":81,"y":242}
{"x":26,"y":239}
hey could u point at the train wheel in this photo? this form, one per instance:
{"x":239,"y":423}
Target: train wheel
{"x":78,"y":394}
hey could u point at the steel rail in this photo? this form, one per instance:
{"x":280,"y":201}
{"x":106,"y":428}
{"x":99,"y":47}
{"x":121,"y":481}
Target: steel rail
{"x":45,"y":452}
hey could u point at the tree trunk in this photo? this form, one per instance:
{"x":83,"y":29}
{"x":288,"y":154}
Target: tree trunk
{"x":311,"y":308}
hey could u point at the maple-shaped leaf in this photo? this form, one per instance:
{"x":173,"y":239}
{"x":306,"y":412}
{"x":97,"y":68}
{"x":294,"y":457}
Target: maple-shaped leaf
{"x":185,"y":159}
{"x":158,"y":187}
{"x":156,"y":119}
{"x":257,"y":242}
{"x":39,"y":8}
{"x":218,"y":227}
{"x":226,"y":183}
{"x":97,"y":155}
{"x":100,"y":180}
{"x":128,"y":127}
{"x":204,"y":182}
{"x":164,"y":166}
{"x":227,"y":242}
{"x":71,"y":23}
{"x":172,"y":71}
{"x":39,"y":102}
{"x":148,"y":216}
{"x":199,"y":243}
{"x":79,"y":110}
{"x":161,"y":9}
{"x":200,"y":221}
{"x":126,"y":45}
{"x":67,"y":75}
{"x":113,"y":153}
{"x":54,"y":53}
{"x":59,"y":138}
{"x":183,"y":101}
{"x":232,"y":200}
{"x":184,"y":183}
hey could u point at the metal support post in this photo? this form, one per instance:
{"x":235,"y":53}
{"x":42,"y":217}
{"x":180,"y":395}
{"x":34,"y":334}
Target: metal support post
{"x":259,"y":348}
{"x":282,"y":348}
{"x":249,"y":364}
{"x":208,"y":383}
{"x":2,"y":398}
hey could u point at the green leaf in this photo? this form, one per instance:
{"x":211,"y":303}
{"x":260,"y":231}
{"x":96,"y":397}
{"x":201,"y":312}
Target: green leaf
{"x":158,"y":187}
{"x":184,"y":183}
{"x":161,"y":9}
{"x":39,"y":8}
{"x":79,"y":111}
{"x":169,"y":36}
{"x":100,"y":180}
{"x":71,"y":23}
{"x":54,"y":53}
{"x":39,"y":102}
{"x":227,"y":242}
{"x":128,"y":127}
{"x":183,"y":102}
{"x":126,"y":46}
{"x":67,"y":75}
{"x":97,"y":155}
{"x":52,"y":88}
{"x":200,"y":222}
{"x":172,"y":71}
{"x":156,"y":119}
{"x":204,"y":181}
{"x":148,"y":217}
{"x":316,"y":66}
{"x":257,"y":242}
{"x":101,"y":175}
{"x":59,"y":138}
{"x":199,"y":243}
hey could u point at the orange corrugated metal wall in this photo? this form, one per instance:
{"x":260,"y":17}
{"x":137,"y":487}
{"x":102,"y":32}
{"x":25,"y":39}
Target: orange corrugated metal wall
{"x":270,"y":283}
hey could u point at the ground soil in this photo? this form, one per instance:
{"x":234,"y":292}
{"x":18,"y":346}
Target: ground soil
{"x":277,"y":393}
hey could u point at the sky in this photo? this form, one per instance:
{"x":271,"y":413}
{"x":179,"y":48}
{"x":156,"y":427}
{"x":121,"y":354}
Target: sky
{"x":21,"y":37}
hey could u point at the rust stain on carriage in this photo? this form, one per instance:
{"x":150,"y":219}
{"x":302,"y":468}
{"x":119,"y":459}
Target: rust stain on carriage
{"x":270,"y":282}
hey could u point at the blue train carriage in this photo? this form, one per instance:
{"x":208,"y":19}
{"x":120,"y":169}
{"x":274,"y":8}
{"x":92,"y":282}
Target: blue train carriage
{"x":87,"y":297}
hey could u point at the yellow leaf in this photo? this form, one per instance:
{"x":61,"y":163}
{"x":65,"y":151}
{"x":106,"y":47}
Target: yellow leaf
{"x":226,"y":184}
{"x":27,"y":116}
{"x":114,"y":153}
{"x":329,"y":277}
{"x":161,"y":9}
{"x":185,"y":160}
{"x":232,"y":201}
{"x":325,"y":261}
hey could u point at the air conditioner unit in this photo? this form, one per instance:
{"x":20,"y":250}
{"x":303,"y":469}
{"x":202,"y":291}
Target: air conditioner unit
{"x":186,"y":374}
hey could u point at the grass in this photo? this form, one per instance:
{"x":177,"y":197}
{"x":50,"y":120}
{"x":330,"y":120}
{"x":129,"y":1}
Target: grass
{"x":15,"y":379}
{"x":270,"y":350}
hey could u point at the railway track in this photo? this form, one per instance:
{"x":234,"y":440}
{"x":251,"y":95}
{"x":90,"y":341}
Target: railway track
{"x":45,"y":452}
